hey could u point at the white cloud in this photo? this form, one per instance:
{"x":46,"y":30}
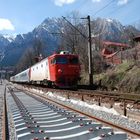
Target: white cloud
{"x":122,"y":2}
{"x":6,"y":24}
{"x":96,"y":0}
{"x":62,"y":2}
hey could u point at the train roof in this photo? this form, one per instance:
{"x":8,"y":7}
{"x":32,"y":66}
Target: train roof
{"x":56,"y":54}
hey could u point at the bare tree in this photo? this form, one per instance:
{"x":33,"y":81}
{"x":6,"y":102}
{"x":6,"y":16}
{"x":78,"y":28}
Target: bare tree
{"x":37,"y":48}
{"x":30,"y":57}
{"x":72,"y":40}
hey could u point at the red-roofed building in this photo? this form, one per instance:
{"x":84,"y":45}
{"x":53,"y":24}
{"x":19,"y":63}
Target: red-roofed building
{"x":137,"y":38}
{"x":110,"y":49}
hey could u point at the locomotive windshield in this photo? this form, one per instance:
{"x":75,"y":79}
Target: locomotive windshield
{"x":73,"y":60}
{"x":61,"y":60}
{"x":65,"y":60}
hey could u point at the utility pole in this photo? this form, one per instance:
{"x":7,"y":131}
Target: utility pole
{"x":89,"y":46}
{"x":90,"y":53}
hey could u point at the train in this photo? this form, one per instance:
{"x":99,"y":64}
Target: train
{"x":60,"y":70}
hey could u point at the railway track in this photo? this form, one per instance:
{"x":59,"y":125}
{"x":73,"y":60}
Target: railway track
{"x":35,"y":118}
{"x":131,"y":131}
{"x":128,"y":102}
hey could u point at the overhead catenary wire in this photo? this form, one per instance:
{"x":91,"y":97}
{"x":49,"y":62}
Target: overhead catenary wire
{"x":93,"y":15}
{"x":101,"y":9}
{"x":114,"y":11}
{"x":119,"y":8}
{"x":75,"y":27}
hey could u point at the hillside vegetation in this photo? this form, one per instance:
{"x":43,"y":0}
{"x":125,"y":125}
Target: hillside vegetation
{"x":124,"y":77}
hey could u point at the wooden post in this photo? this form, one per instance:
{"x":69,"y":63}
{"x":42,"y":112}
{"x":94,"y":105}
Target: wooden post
{"x":68,"y":97}
{"x":99,"y":101}
{"x":82,"y":98}
{"x":124,"y":108}
{"x":111,"y":102}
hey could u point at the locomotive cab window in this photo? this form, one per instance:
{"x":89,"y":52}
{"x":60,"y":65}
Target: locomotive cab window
{"x":53,"y":61}
{"x":73,"y":60}
{"x":61,"y":60}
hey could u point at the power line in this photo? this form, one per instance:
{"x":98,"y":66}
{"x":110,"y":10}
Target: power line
{"x":89,"y":46}
{"x":75,"y":28}
{"x":120,"y":8}
{"x":98,"y":11}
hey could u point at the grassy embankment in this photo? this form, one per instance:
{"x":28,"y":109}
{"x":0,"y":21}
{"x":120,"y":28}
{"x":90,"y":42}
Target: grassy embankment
{"x":124,"y":77}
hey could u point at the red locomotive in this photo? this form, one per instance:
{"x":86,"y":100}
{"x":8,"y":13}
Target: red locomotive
{"x":58,"y":70}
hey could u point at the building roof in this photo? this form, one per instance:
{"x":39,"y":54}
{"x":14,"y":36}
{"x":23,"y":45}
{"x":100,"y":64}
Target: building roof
{"x":108,"y":43}
{"x":137,"y":38}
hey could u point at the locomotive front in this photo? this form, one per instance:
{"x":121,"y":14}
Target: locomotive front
{"x":65,"y":70}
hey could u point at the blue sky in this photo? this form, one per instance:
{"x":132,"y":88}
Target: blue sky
{"x":22,"y":16}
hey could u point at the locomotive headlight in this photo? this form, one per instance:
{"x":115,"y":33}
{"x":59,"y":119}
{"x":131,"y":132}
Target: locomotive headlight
{"x":60,"y":71}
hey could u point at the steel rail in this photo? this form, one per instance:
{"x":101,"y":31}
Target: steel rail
{"x":5,"y":134}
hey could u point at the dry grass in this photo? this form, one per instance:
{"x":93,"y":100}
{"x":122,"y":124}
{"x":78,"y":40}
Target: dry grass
{"x":125,"y":77}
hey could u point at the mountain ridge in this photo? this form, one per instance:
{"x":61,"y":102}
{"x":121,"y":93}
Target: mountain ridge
{"x":48,"y":33}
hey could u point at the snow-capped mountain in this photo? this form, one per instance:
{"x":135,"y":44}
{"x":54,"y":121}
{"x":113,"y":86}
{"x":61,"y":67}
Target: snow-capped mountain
{"x":9,"y":37}
{"x":14,"y":48}
{"x":113,"y":30}
{"x":4,"y":41}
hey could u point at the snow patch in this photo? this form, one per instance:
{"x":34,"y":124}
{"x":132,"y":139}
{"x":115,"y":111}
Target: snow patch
{"x":85,"y":104}
{"x":109,"y":20}
{"x":9,"y":38}
{"x":80,"y":103}
{"x":22,"y":36}
{"x":45,"y":28}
